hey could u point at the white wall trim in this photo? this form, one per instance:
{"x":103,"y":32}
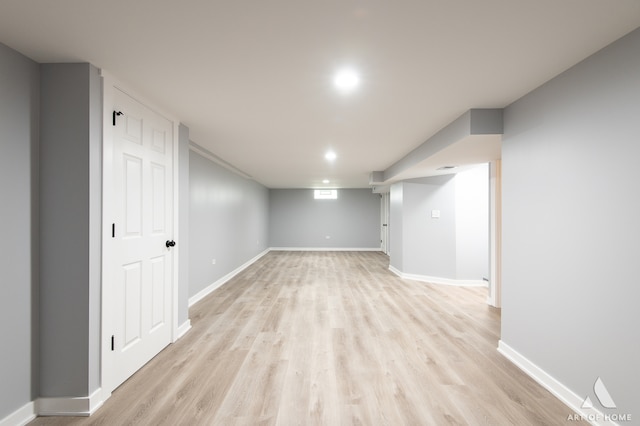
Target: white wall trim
{"x":106,"y":364}
{"x":73,"y":406}
{"x":175,"y":186}
{"x":21,"y":416}
{"x":325,"y":249}
{"x":438,"y":280}
{"x":560,"y":391}
{"x":183,"y":329}
{"x":210,"y":288}
{"x":495,"y":234}
{"x":212,"y":157}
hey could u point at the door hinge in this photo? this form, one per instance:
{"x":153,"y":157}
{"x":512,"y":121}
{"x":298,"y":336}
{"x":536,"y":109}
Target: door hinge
{"x":115,"y":115}
{"x":113,"y":230}
{"x":113,"y":342}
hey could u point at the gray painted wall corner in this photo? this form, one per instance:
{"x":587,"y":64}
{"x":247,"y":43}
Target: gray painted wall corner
{"x":430,"y":243}
{"x":570,"y":227}
{"x":70,"y":257}
{"x":228,"y":221}
{"x":19,"y":144}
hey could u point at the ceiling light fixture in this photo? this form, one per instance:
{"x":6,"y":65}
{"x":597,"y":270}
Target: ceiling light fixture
{"x":325,"y":181}
{"x":346,"y":80}
{"x":330,"y":156}
{"x":447,"y":167}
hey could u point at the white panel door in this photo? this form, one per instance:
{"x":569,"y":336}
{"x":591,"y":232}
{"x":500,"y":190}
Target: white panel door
{"x":142,"y":287}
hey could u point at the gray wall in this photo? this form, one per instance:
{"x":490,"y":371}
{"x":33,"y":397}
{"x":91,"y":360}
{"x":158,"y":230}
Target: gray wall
{"x":19,"y":100}
{"x":571,"y":209}
{"x":421,"y":244}
{"x":70,"y":257}
{"x":298,"y":220}
{"x":228,"y":221}
{"x":429,"y":243}
{"x":183,"y":224}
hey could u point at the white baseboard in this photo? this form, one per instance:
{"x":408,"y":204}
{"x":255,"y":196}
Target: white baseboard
{"x":439,"y":280}
{"x":183,"y":329}
{"x":21,"y":416}
{"x":210,"y":288}
{"x":325,"y":249}
{"x":564,"y":394}
{"x":78,"y":406}
{"x":73,"y":406}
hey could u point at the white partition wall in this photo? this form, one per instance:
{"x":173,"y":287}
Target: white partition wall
{"x":440,"y":228}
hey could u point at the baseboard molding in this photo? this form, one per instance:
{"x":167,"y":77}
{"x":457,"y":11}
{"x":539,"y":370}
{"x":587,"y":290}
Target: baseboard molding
{"x":564,"y":394}
{"x":438,"y":280}
{"x":21,"y":416}
{"x":325,"y":249}
{"x":210,"y":288}
{"x":183,"y":329}
{"x":73,"y":406}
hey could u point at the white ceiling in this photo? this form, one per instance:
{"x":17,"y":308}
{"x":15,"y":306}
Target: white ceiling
{"x":253,"y":79}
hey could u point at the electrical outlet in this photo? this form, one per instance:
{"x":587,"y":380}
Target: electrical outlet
{"x":213,"y":261}
{"x":328,"y":237}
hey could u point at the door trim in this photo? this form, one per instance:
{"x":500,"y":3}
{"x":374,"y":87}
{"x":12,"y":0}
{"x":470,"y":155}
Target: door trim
{"x":495,"y":238}
{"x":109,"y":84}
{"x":384,"y":222}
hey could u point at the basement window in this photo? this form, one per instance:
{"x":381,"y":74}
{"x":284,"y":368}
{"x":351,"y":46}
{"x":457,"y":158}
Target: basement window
{"x":325,"y":194}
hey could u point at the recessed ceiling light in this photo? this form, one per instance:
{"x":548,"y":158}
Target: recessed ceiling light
{"x":346,"y":80}
{"x":447,"y":167}
{"x":330,"y":156}
{"x":325,"y":181}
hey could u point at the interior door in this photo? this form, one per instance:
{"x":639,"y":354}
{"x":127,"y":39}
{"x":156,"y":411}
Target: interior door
{"x":142,"y":235}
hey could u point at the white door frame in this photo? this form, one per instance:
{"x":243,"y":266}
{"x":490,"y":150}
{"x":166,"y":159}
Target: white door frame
{"x":384,"y":222}
{"x":109,"y":84}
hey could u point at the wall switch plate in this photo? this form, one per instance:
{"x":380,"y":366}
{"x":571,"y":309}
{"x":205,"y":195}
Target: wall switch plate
{"x":213,"y":261}
{"x":435,"y":214}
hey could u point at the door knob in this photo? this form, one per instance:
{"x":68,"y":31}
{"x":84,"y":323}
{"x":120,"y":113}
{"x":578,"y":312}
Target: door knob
{"x":170,"y":243}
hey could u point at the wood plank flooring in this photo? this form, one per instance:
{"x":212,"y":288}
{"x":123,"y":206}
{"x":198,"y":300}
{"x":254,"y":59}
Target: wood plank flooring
{"x":332,"y":338}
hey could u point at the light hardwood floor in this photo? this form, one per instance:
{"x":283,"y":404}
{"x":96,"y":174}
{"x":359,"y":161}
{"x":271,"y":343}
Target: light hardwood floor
{"x":306,"y":338}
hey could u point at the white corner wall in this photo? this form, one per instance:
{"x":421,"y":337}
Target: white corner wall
{"x":472,"y":223}
{"x":439,"y":228}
